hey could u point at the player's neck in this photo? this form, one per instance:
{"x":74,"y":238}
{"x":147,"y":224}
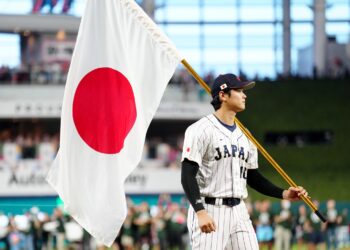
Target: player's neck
{"x":227,"y":117}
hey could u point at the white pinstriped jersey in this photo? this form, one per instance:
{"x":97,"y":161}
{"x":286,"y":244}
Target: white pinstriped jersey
{"x":223,"y":158}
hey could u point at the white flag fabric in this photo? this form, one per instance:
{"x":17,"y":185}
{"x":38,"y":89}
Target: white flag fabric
{"x":120,"y":67}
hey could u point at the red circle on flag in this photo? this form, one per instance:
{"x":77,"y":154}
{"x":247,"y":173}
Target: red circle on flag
{"x":104,"y":109}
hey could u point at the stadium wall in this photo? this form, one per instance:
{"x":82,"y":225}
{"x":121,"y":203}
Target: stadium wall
{"x":304,"y":105}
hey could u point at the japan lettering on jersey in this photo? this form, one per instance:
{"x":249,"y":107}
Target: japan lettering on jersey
{"x":223,"y":157}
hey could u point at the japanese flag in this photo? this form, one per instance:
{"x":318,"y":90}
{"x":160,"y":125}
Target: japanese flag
{"x":119,"y":70}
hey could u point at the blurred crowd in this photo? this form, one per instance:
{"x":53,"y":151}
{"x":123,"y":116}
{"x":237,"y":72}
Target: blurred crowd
{"x":163,"y":226}
{"x":284,"y":227}
{"x":56,"y":73}
{"x":35,"y":145}
{"x":159,"y":152}
{"x":182,"y":82}
{"x":40,"y":146}
{"x":48,"y":73}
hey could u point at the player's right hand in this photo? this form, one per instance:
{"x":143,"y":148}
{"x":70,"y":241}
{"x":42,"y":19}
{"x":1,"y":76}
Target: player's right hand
{"x":205,"y":222}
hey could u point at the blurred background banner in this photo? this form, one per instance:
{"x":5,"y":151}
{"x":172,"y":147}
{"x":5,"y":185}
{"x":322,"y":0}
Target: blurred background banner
{"x":54,"y":50}
{"x":28,"y":179}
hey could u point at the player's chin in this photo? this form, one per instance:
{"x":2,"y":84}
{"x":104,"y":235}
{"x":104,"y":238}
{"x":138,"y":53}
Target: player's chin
{"x":242,"y":108}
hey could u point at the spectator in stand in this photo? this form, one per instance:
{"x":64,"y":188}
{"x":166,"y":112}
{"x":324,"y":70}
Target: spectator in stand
{"x":314,"y":231}
{"x":283,"y":227}
{"x":175,"y":226}
{"x":307,"y":235}
{"x":142,"y":221}
{"x":332,"y":215}
{"x":163,"y":150}
{"x":60,"y":230}
{"x":21,"y":74}
{"x":159,"y":227}
{"x":174,"y":157}
{"x":46,"y":229}
{"x":264,"y":230}
{"x":35,"y":228}
{"x":300,"y":220}
{"x":127,"y":230}
{"x":15,"y":238}
{"x":343,"y":229}
{"x":28,"y":148}
{"x":5,"y":74}
{"x":29,"y":232}
{"x":4,"y":224}
{"x":19,"y":235}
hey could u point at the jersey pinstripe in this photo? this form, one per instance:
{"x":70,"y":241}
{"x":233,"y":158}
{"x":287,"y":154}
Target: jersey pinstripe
{"x":234,"y":229}
{"x":223,"y":158}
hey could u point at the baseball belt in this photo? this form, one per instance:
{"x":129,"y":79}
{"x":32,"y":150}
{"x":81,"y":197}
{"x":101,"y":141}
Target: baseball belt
{"x":231,"y":202}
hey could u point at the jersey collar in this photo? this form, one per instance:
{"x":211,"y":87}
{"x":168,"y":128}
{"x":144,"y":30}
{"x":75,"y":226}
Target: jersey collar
{"x":221,"y":127}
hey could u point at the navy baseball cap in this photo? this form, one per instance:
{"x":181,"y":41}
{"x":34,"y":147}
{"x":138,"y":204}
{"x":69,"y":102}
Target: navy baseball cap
{"x":229,"y":81}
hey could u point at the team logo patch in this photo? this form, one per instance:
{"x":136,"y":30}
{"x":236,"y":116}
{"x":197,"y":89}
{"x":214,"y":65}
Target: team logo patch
{"x":223,"y":86}
{"x":188,"y":149}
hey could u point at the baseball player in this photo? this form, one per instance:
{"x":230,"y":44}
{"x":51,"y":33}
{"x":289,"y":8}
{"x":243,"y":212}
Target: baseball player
{"x":218,"y":161}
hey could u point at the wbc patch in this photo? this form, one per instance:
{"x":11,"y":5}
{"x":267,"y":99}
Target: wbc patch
{"x":223,"y":86}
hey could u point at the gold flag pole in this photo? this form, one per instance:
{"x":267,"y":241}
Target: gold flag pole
{"x":257,"y":144}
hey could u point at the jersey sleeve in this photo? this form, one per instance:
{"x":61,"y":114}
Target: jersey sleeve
{"x":252,"y":162}
{"x":194,"y":145}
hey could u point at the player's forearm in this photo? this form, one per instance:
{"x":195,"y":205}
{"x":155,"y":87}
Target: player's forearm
{"x":189,"y":183}
{"x":258,"y":182}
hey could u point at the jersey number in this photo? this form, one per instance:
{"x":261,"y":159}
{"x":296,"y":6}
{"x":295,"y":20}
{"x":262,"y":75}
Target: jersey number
{"x":243,"y":173}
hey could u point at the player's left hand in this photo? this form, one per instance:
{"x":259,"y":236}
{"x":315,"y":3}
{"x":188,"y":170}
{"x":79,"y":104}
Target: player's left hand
{"x":295,"y":193}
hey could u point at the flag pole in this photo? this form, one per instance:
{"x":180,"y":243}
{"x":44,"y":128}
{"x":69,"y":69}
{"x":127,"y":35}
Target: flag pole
{"x":257,"y":144}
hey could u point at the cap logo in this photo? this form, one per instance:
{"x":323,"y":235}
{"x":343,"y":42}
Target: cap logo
{"x":239,"y":79}
{"x":223,"y":86}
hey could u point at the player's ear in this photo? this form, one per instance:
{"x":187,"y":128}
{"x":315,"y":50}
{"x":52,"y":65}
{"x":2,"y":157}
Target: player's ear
{"x":222,"y":95}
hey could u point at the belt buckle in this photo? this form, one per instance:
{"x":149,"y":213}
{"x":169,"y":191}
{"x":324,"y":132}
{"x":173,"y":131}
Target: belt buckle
{"x":232,"y":202}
